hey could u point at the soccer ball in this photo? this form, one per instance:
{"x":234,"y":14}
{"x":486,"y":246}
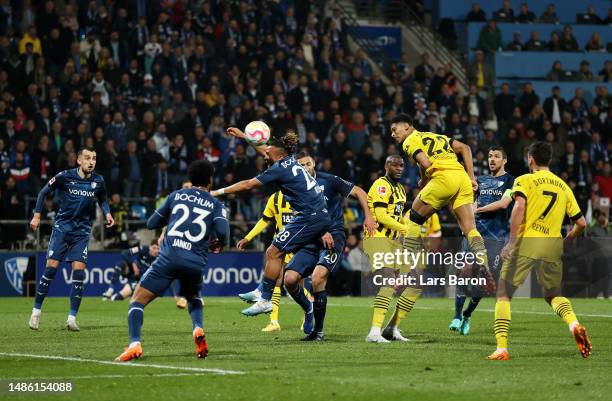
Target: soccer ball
{"x":257,"y":132}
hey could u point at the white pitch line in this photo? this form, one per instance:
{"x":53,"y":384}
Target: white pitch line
{"x":101,"y":376}
{"x":124,"y":364}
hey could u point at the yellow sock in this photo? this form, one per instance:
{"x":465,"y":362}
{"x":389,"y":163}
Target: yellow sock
{"x":477,"y":245}
{"x":404,"y":305}
{"x":276,"y":296}
{"x":563,"y":308}
{"x":502,"y":323}
{"x":308,"y":294}
{"x":381,"y":305}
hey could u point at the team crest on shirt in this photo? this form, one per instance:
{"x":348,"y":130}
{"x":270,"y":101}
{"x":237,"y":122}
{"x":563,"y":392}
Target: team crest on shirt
{"x":94,"y":184}
{"x":382,"y":190}
{"x":499,"y":183}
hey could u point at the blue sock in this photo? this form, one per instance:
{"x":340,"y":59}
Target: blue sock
{"x":308,"y":284}
{"x":459,"y":302}
{"x":319,"y":308}
{"x":43,"y":286}
{"x":471,"y":306}
{"x":135,"y":319}
{"x":261,"y":285}
{"x":298,"y":296}
{"x":268,"y":288}
{"x":76,"y":292}
{"x":195,"y":311}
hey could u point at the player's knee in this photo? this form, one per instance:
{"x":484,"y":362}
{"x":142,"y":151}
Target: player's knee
{"x":52,"y":263}
{"x":319,"y":277}
{"x":292,"y":279}
{"x":417,"y":218}
{"x":273,"y":252}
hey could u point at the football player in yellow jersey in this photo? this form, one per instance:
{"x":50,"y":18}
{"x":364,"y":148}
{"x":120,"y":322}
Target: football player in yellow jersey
{"x":278,"y":210}
{"x":386,"y":199}
{"x":444,"y":181}
{"x":541,"y":202}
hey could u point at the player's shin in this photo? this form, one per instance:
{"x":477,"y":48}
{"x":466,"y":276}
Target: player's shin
{"x":477,"y":246}
{"x":563,"y":308}
{"x":276,"y":297}
{"x":43,"y":286}
{"x":300,"y":298}
{"x":474,"y":301}
{"x":76,"y":292}
{"x":502,"y":324}
{"x":320,"y":307}
{"x":195,"y":309}
{"x":135,"y":320}
{"x":381,"y":305}
{"x":459,"y":301}
{"x":404,"y":305}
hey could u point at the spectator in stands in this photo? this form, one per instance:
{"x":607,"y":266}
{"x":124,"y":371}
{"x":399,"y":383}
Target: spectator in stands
{"x":589,"y":18}
{"x":516,"y":45}
{"x":525,"y":16}
{"x":534,"y":44}
{"x":606,"y":71}
{"x":480,"y":72}
{"x":528,"y":99}
{"x":424,"y":72}
{"x":476,"y":14}
{"x":549,"y":16}
{"x":603,"y":99}
{"x":594,"y":44}
{"x":504,"y":14}
{"x":490,"y":38}
{"x":554,"y":106}
{"x":475,"y":104}
{"x":504,"y":104}
{"x":585,"y":74}
{"x":555,"y":42}
{"x":568,"y":41}
{"x":608,"y":19}
{"x":556,"y":72}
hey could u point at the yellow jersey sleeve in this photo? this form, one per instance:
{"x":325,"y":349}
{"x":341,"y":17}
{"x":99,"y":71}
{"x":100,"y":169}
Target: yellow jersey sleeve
{"x":412,"y":145}
{"x":572,"y":208}
{"x":269,"y":211}
{"x":379,"y":194}
{"x":521,"y":187}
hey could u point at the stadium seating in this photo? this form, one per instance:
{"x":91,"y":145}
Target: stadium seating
{"x":566,"y":10}
{"x":535,"y":65}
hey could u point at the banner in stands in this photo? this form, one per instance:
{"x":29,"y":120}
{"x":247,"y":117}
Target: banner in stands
{"x":227,"y":274}
{"x":388,"y":39}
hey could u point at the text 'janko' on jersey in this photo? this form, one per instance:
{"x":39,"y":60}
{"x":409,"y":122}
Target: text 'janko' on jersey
{"x":193,"y":217}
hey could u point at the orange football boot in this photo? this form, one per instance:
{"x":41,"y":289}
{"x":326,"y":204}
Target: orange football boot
{"x":582,"y":341}
{"x":200,"y":342}
{"x":130,"y":353}
{"x":499,"y":356}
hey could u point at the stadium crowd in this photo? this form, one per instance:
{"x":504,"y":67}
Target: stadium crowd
{"x":153,"y":85}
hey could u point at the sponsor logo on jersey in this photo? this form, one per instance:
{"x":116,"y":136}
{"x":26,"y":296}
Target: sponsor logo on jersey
{"x":497,"y":192}
{"x":14,"y":269}
{"x":81,"y":192}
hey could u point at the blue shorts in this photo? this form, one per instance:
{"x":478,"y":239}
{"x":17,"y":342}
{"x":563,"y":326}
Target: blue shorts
{"x":160,"y":276}
{"x":301,"y":231}
{"x":68,"y":247}
{"x":306,"y":259}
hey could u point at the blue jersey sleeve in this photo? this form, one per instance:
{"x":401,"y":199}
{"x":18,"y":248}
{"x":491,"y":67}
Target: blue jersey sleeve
{"x":342,"y":186}
{"x":159,"y":218}
{"x":272,"y":174}
{"x":221,"y":224}
{"x":54,"y":183}
{"x":102,"y":198}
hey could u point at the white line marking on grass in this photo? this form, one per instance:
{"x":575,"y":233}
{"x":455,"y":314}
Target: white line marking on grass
{"x":104,"y":376}
{"x":125,"y":364}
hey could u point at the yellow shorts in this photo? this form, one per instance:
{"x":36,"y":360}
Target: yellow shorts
{"x":377,"y":248}
{"x":445,"y":187}
{"x":516,"y":268}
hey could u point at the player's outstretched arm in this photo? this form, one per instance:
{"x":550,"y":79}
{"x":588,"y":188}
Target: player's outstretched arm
{"x":221,"y":231}
{"x":103,"y":202}
{"x":577,"y":229}
{"x":241,"y":186}
{"x":516,"y":218}
{"x":369,"y":224}
{"x":261,"y":225}
{"x":237,"y":132}
{"x":40,"y":200}
{"x":159,"y":218}
{"x":462,"y":149}
{"x":501,"y":204}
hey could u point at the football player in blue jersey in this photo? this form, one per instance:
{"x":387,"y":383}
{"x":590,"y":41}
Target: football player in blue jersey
{"x":309,"y":226}
{"x":316,"y":260}
{"x":80,"y":189}
{"x":493,"y":198}
{"x":195,"y":222}
{"x":136,"y":261}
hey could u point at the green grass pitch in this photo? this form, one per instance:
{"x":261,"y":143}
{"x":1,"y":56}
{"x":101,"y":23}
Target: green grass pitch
{"x":435,"y":365}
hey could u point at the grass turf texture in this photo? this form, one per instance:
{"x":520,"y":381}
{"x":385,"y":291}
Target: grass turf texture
{"x":435,"y":365}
